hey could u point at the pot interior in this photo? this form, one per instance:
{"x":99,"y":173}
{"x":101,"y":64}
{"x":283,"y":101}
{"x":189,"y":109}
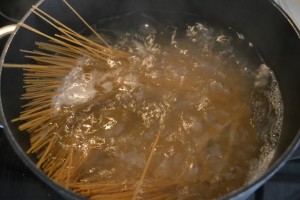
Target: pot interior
{"x":260,"y":21}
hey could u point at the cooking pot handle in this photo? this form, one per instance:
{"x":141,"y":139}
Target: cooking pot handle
{"x":6,"y":30}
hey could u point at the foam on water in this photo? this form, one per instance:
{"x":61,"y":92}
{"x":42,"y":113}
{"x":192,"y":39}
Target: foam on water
{"x":77,"y":88}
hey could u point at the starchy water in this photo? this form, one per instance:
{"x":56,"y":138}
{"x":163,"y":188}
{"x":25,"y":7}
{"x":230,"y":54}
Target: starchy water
{"x":204,"y":89}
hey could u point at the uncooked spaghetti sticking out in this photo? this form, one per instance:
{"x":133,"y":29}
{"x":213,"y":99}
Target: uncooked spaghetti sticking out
{"x":159,"y":112}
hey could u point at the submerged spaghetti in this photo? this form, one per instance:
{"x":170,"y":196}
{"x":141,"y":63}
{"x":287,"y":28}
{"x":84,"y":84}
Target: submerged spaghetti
{"x":180,"y":115}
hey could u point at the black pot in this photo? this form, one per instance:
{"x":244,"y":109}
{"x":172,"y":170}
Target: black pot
{"x":262,"y":22}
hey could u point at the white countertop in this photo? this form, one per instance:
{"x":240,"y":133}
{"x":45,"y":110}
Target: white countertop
{"x":292,"y":8}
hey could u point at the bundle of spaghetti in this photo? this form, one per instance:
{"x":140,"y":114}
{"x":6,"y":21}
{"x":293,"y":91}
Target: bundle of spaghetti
{"x":54,"y":60}
{"x":100,"y":190}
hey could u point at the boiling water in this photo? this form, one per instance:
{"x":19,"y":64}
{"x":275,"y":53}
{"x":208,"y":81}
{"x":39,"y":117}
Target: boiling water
{"x":205,"y":91}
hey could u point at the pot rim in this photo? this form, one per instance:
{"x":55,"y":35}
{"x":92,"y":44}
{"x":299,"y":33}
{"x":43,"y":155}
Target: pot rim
{"x":239,"y":193}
